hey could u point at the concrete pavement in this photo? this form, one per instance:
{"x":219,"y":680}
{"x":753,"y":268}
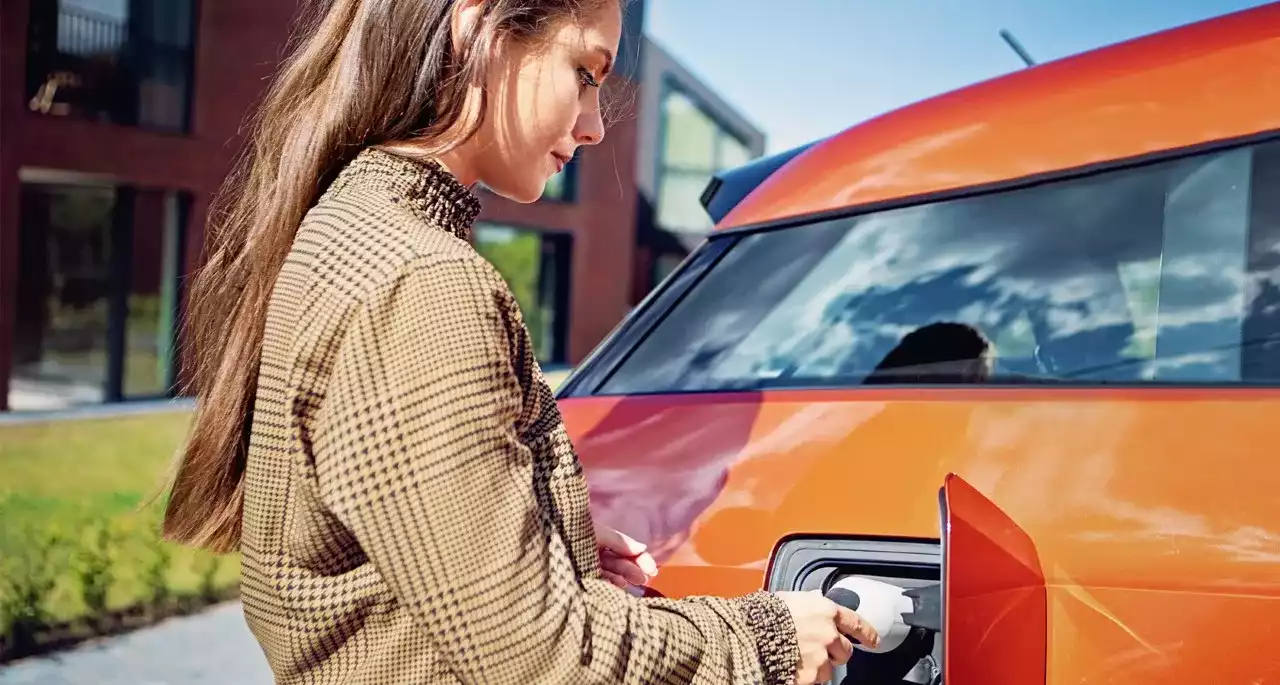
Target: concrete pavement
{"x":211,"y":648}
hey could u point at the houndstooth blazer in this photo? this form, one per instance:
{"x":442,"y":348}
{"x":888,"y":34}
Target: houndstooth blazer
{"x":414,"y":509}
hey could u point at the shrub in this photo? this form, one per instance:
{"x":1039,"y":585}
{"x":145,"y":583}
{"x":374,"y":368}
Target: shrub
{"x":206,"y":567}
{"x":29,"y":579}
{"x":93,"y":566}
{"x":155,"y":568}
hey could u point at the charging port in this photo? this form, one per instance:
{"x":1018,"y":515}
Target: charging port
{"x":908,"y":570}
{"x":907,"y":614}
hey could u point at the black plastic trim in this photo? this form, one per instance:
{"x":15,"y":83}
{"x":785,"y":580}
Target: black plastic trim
{"x":927,"y":603}
{"x":627,"y":336}
{"x":944,"y":553}
{"x":797,"y":560}
{"x":728,"y":188}
{"x":943,"y":390}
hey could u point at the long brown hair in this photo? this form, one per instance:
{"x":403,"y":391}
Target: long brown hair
{"x":360,"y":73}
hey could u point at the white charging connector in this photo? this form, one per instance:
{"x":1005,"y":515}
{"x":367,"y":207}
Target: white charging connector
{"x":879,"y":604}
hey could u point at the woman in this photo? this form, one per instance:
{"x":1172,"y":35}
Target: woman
{"x":373,"y":431}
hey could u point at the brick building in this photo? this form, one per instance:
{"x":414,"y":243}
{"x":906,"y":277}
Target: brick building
{"x":119,"y":119}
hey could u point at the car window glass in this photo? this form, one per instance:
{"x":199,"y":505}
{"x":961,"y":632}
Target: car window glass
{"x":1168,"y":272}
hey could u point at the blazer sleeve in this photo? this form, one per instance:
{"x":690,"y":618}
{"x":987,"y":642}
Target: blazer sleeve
{"x":417,"y":453}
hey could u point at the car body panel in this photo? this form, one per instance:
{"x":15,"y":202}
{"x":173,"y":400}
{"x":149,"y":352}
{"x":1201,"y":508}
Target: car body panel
{"x":1147,"y":506}
{"x":994,"y":593}
{"x":1210,"y":81}
{"x":1119,"y":488}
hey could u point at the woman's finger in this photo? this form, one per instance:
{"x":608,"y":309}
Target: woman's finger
{"x":840,"y":650}
{"x":623,"y":567}
{"x":614,"y":578}
{"x":851,"y":624}
{"x":646,"y":563}
{"x":825,"y":673}
{"x":622,"y":545}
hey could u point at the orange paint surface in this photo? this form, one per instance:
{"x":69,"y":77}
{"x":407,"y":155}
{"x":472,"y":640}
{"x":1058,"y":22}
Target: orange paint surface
{"x":1144,"y":488}
{"x":995,"y":595}
{"x":1148,"y":507}
{"x":1210,"y":81}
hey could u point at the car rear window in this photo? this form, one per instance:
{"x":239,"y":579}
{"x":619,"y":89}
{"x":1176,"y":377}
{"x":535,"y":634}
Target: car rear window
{"x":1164,"y":273}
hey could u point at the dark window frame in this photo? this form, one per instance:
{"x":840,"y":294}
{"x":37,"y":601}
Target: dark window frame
{"x":598,"y":369}
{"x":669,"y":85}
{"x":563,"y":300}
{"x":120,"y":238}
{"x":40,"y":64}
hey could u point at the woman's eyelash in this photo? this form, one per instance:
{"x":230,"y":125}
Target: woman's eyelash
{"x":587,"y":79}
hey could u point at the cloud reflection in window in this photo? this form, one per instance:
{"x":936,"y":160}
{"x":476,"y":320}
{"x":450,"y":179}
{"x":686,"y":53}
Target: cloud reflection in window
{"x":1162,"y":272}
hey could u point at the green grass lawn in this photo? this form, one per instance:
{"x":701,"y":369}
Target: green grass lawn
{"x":66,"y":476}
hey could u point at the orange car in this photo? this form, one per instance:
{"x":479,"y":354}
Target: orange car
{"x":1053,"y":299}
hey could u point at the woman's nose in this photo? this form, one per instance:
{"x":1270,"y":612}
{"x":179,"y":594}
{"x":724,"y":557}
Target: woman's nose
{"x":590,"y":128}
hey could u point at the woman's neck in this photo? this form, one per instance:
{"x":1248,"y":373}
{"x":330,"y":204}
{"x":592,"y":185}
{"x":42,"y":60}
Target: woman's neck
{"x":455,"y":162}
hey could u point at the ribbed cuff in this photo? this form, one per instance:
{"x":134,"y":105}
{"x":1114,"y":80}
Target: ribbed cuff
{"x":775,"y":635}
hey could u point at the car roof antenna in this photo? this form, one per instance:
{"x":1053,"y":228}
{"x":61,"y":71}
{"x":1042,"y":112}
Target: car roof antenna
{"x":1017,"y":47}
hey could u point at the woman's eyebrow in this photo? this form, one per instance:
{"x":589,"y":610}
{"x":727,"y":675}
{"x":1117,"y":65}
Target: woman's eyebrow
{"x":607,"y":55}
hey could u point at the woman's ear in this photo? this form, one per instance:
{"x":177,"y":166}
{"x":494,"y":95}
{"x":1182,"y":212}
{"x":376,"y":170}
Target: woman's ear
{"x":464,"y":17}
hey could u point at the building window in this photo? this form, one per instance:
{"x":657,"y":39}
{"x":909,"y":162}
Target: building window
{"x":693,"y":148}
{"x":536,"y":266}
{"x":1165,"y":273}
{"x":97,"y":295}
{"x":126,"y":62}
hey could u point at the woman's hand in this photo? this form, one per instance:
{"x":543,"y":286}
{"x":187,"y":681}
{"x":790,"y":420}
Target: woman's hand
{"x":623,"y":560}
{"x":823,"y":632}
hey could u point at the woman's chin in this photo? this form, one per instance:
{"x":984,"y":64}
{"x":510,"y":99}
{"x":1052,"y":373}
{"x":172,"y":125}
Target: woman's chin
{"x":525,"y":194}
